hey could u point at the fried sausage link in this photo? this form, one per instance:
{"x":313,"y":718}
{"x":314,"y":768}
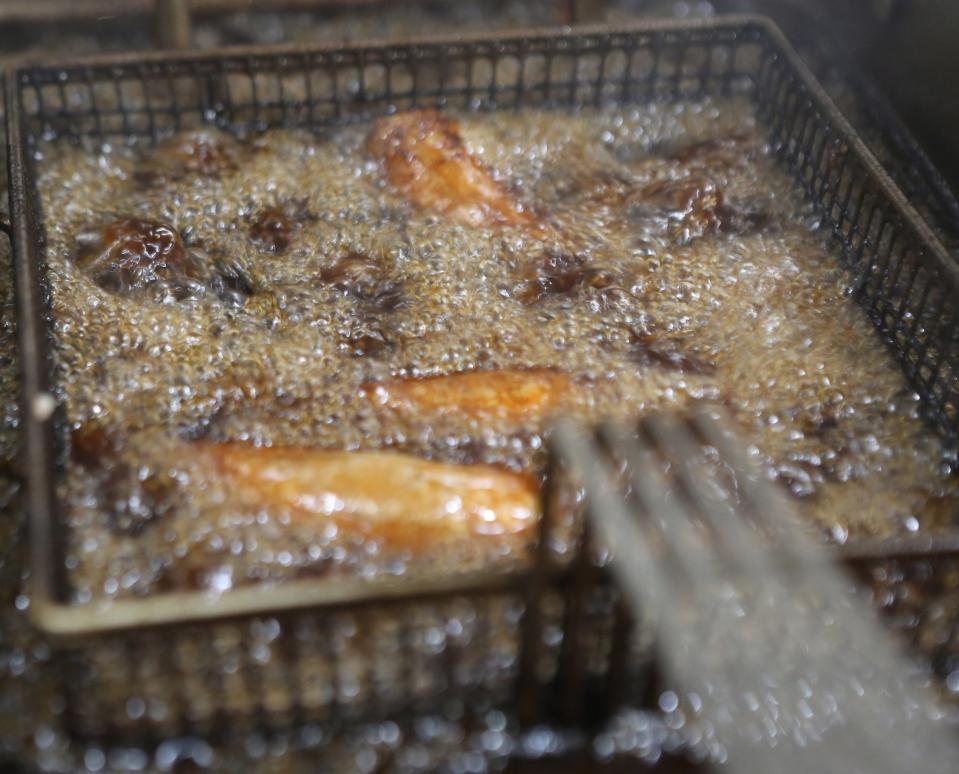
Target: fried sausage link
{"x":402,"y":502}
{"x":509,"y":394}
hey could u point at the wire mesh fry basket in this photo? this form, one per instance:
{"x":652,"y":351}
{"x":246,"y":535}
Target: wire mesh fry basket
{"x":553,"y":639}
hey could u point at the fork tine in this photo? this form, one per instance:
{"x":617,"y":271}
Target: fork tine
{"x":612,"y":520}
{"x":686,"y":574}
{"x":687,"y":632}
{"x":800,"y":554}
{"x":813,"y":570}
{"x":735,"y":654}
{"x":768,"y":505}
{"x":664,"y":513}
{"x":740,"y":543}
{"x":769,"y":508}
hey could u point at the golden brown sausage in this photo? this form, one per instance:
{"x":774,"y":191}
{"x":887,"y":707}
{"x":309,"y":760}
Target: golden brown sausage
{"x":510,"y":394}
{"x":401,"y":501}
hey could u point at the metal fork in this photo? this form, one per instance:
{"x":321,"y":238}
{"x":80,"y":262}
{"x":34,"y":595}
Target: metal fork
{"x":780,"y":663}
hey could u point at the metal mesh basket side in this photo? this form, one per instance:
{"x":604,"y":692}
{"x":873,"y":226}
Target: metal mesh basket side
{"x":582,"y":654}
{"x":313,"y":667}
{"x":907,"y":287}
{"x":249,"y":92}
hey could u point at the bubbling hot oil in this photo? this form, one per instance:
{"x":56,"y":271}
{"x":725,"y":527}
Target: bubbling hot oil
{"x":753,"y":316}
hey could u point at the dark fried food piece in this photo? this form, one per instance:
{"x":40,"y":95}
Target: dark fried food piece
{"x":510,"y":394}
{"x":94,"y":445}
{"x":353,"y":270}
{"x":667,"y":353}
{"x":736,"y":221}
{"x":559,"y":273}
{"x":231,"y":282}
{"x":684,"y":208}
{"x":425,"y":158}
{"x":365,"y":341}
{"x":131,"y":254}
{"x":206,"y":152}
{"x":711,"y":155}
{"x":692,"y":207}
{"x":365,"y":279}
{"x":133,"y":496}
{"x":400,"y":501}
{"x":601,"y":187}
{"x":368,"y":282}
{"x":717,"y":151}
{"x":273,"y":227}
